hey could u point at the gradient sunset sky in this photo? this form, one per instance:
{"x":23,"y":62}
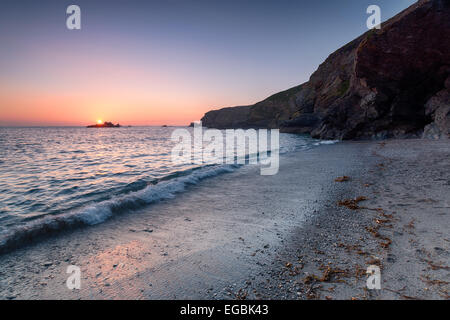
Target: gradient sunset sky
{"x":163,"y":62}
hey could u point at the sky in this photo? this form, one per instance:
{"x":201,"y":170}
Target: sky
{"x":163,"y":62}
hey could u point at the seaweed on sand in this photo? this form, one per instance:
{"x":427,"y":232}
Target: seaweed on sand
{"x":352,"y":204}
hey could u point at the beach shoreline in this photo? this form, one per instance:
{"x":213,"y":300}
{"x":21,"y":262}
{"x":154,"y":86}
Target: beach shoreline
{"x":242,"y":235}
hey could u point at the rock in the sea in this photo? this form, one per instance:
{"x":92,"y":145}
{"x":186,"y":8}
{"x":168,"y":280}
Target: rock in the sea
{"x":104,"y":125}
{"x":392,"y":82}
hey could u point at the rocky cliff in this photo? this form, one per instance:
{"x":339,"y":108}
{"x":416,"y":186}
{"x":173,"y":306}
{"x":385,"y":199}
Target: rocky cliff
{"x":392,"y":82}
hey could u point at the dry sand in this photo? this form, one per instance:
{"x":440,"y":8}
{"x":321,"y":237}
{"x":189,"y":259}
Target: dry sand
{"x":242,"y":235}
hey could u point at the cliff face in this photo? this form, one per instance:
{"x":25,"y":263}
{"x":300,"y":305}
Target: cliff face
{"x":389,"y":82}
{"x":265,"y":114}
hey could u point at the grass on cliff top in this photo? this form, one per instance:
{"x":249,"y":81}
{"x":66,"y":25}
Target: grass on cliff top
{"x":284,"y":96}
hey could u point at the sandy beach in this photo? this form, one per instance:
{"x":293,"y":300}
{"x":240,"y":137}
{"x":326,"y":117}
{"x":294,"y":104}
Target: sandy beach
{"x":245,"y":236}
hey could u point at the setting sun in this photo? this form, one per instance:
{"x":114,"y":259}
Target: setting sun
{"x":99,"y":121}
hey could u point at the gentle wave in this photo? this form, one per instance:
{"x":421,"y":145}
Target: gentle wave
{"x":93,"y":178}
{"x":99,"y":212}
{"x":325,"y":142}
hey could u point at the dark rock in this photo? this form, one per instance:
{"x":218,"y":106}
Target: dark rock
{"x":302,"y":123}
{"x":438,"y":109}
{"x":105,"y":125}
{"x":392,"y":82}
{"x":447,"y":83}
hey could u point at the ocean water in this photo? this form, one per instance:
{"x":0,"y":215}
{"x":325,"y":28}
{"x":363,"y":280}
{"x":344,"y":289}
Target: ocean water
{"x":56,"y":178}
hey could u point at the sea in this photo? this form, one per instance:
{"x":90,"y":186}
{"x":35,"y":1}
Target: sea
{"x":58,"y":178}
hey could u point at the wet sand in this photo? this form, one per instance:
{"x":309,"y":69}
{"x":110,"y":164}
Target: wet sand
{"x":242,"y":235}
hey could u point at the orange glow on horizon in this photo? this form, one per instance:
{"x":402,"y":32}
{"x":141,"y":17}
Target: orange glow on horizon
{"x":115,"y":89}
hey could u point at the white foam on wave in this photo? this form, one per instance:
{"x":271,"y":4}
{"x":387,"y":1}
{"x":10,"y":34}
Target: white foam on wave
{"x":325,"y":142}
{"x":96,"y":213}
{"x":163,"y":190}
{"x":99,"y":212}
